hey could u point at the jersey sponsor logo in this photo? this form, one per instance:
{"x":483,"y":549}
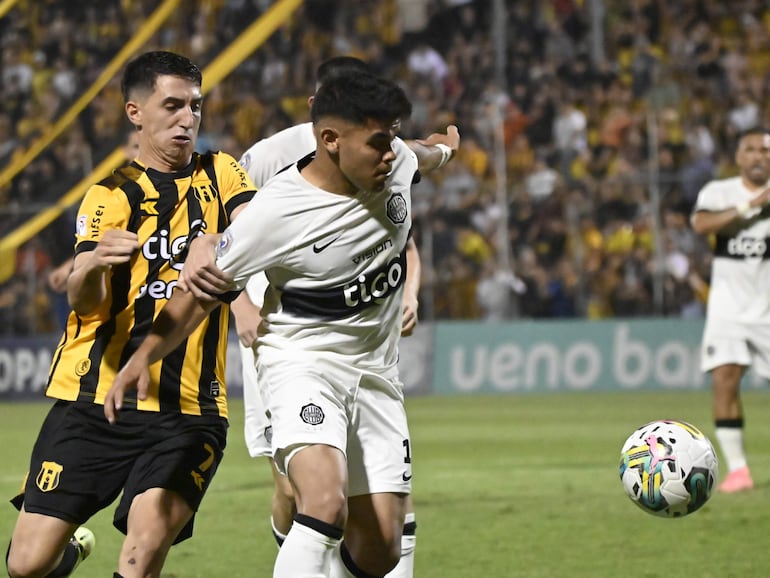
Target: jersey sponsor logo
{"x":741,"y":247}
{"x":318,"y":248}
{"x":369,"y":253}
{"x":396,"y":208}
{"x":159,"y":245}
{"x":48,"y":477}
{"x":96,"y":221}
{"x":312,"y":414}
{"x":368,"y":289}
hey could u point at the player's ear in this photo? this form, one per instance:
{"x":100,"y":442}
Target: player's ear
{"x":134,"y":113}
{"x":330,"y":140}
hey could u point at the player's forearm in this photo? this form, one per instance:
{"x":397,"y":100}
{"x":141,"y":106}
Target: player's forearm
{"x":429,"y":157}
{"x":87,"y":286}
{"x":175,"y":322}
{"x":707,"y":222}
{"x":413,"y":270}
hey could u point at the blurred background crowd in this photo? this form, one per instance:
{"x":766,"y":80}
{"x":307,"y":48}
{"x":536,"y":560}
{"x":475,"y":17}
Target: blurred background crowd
{"x":588,"y":128}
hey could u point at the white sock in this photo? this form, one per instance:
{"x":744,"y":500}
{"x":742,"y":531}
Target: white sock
{"x":306,"y":553}
{"x":405,"y":566}
{"x":731,"y":442}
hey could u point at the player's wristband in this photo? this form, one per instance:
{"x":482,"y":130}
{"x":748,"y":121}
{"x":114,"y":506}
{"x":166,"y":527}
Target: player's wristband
{"x":446,"y":154}
{"x":743,"y":209}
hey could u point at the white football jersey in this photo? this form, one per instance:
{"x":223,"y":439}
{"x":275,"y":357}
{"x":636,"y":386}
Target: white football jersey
{"x":740,"y":275}
{"x":336,"y":264}
{"x":262,"y":161}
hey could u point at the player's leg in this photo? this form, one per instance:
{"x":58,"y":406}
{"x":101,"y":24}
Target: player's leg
{"x":318,"y":474}
{"x":284,"y":507}
{"x":372,"y":542}
{"x":308,"y":403}
{"x":380,"y":470}
{"x":155,"y":518}
{"x":61,"y":492}
{"x":166,"y":486}
{"x":39,"y":546}
{"x":258,"y":433}
{"x":405,"y":566}
{"x":728,"y":423}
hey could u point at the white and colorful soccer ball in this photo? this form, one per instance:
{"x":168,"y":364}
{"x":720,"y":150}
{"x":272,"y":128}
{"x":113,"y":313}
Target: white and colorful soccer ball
{"x":668,"y":468}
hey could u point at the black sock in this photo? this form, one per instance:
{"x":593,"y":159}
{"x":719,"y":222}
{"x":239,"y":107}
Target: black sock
{"x":68,"y":561}
{"x":733,"y":423}
{"x":319,"y":526}
{"x":116,"y":575}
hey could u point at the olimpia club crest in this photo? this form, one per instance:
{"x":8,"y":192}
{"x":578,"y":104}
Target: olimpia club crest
{"x":396,"y":208}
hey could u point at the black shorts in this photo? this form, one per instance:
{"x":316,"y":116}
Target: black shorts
{"x":80,"y":463}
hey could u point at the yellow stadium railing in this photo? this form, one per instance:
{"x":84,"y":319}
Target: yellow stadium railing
{"x":246,"y":43}
{"x":150,"y":27}
{"x":5,"y":6}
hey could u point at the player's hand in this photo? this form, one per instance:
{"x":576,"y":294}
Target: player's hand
{"x":409,"y":320}
{"x":247,"y":319}
{"x":200,"y":274}
{"x":450,"y":139}
{"x":134,"y":375}
{"x":57,"y":278}
{"x":115,"y":247}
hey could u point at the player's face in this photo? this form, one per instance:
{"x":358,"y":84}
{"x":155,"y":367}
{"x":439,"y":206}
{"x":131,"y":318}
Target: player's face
{"x":366,"y":155}
{"x":753,"y":158}
{"x":168,"y":120}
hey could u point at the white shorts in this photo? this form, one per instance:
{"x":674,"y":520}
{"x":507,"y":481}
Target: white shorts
{"x":319,"y":400}
{"x":740,"y":343}
{"x":256,"y":430}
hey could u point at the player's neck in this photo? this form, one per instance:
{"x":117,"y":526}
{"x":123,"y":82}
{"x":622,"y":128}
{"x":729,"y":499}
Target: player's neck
{"x":325,"y":175}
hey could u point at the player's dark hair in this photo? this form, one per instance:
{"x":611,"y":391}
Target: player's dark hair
{"x":340,"y":66}
{"x":142,"y":72}
{"x":756,"y":130}
{"x":360,"y":97}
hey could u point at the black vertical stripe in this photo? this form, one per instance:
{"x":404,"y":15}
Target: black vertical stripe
{"x":170,"y":380}
{"x":206,"y":385}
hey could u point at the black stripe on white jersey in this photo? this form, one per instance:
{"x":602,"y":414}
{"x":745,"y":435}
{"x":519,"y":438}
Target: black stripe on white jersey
{"x":364,"y":291}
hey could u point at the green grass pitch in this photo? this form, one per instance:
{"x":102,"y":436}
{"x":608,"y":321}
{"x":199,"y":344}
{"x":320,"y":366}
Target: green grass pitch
{"x":504,"y":486}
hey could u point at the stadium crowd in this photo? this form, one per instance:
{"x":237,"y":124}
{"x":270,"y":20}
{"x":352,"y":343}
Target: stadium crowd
{"x":604,"y":134}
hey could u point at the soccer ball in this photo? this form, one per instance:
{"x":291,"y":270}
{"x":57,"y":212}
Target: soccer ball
{"x":668,"y":468}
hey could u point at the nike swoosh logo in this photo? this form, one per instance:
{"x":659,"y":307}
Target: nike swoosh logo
{"x":405,"y":477}
{"x":318,"y":248}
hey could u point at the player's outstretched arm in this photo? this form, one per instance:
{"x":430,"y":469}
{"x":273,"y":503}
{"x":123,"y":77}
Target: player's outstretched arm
{"x":411,"y":289}
{"x":176,"y":321}
{"x":436,"y":150}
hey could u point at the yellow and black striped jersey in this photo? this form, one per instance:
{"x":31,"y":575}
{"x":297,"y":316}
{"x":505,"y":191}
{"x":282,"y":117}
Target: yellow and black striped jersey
{"x":165,"y":210}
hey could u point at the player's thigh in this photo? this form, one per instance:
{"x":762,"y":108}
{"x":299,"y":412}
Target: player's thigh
{"x":308,"y":403}
{"x":318,"y":474}
{"x":37,"y":542}
{"x":379,"y":444}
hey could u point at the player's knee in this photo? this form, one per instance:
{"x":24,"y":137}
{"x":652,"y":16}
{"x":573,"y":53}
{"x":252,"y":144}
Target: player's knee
{"x":24,"y":565}
{"x":329,"y":506}
{"x":374,"y":558}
